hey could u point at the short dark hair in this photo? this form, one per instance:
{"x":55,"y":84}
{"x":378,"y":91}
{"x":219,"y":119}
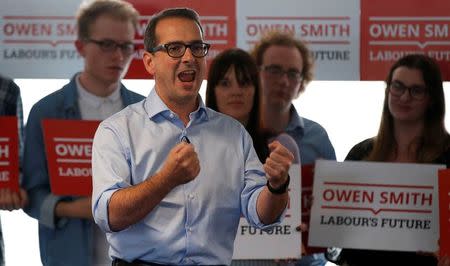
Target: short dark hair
{"x":150,"y":40}
{"x":246,"y":73}
{"x":88,"y":14}
{"x":284,"y":39}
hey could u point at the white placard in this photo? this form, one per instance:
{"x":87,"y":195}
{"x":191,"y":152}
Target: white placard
{"x":37,"y":39}
{"x":283,"y":241}
{"x":379,"y":206}
{"x":331,"y":27}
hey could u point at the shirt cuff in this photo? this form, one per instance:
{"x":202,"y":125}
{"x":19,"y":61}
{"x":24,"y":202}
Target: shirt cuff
{"x":47,"y":216}
{"x":100,"y":211}
{"x":256,"y":222}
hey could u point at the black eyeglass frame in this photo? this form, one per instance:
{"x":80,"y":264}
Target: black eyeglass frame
{"x":277,"y":70}
{"x":416,"y":92}
{"x":166,"y":47}
{"x":110,"y":46}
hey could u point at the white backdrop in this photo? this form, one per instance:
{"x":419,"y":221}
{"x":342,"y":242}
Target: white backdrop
{"x":349,"y":110}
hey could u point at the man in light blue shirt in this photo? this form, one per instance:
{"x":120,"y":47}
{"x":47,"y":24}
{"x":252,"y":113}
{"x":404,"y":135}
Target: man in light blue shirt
{"x":170,"y":176}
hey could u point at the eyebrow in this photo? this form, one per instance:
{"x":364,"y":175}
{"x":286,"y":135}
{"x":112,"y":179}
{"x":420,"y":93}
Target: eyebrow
{"x":111,"y":40}
{"x":413,"y":85}
{"x":289,"y":69}
{"x":179,"y":41}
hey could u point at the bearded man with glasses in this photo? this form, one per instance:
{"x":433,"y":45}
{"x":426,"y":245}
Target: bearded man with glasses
{"x":67,"y":233}
{"x":172,"y":177}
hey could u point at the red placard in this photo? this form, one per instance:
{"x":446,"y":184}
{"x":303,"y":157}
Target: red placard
{"x":68,"y":145}
{"x":307,"y":189}
{"x":392,"y":29}
{"x":218,"y":22}
{"x":9,"y":153}
{"x":444,"y":212}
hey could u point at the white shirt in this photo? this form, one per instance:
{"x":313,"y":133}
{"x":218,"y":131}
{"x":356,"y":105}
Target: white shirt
{"x":93,"y":107}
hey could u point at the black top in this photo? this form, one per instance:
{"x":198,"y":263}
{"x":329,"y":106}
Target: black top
{"x":357,"y":257}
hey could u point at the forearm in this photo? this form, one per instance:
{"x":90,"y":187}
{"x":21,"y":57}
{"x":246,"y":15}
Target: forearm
{"x":78,"y":208}
{"x":270,"y":206}
{"x":130,"y":205}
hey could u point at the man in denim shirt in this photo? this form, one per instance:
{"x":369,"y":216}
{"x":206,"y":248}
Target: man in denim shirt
{"x":67,"y":234}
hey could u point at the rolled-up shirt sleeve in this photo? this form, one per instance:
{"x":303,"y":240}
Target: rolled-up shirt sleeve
{"x":110,"y":171}
{"x":254,"y":183}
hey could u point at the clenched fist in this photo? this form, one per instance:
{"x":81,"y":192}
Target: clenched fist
{"x":182,"y":164}
{"x":277,"y":164}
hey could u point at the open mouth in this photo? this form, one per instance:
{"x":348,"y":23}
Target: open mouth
{"x":116,"y":68}
{"x":187,"y":76}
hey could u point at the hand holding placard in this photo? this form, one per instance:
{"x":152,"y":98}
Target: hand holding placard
{"x":9,"y":153}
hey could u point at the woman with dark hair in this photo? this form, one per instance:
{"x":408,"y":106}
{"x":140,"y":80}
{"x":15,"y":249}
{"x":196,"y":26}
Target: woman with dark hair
{"x":233,"y":89}
{"x":411,"y":131}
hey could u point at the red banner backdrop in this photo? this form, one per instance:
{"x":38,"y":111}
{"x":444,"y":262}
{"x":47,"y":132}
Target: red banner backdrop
{"x":218,"y":21}
{"x":9,"y":153}
{"x":444,"y":212}
{"x":68,"y":144}
{"x":392,"y":29}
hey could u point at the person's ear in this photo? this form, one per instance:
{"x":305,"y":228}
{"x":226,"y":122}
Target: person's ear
{"x":79,"y":45}
{"x":149,"y":62}
{"x":301,"y":89}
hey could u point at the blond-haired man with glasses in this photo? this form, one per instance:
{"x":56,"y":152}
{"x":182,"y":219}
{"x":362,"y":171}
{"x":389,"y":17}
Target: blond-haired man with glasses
{"x":67,"y":234}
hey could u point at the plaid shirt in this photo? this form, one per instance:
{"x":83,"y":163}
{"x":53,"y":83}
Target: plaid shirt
{"x":11,"y":103}
{"x":9,"y":96}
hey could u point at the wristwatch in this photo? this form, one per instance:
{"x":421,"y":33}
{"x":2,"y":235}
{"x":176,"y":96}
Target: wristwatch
{"x":282,"y":189}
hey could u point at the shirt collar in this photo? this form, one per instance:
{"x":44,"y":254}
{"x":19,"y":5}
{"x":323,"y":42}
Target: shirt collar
{"x":155,"y":107}
{"x":95,"y":100}
{"x":296,"y":122}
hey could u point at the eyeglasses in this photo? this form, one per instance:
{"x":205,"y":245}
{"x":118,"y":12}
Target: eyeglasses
{"x":277,"y":71}
{"x":111,"y":46}
{"x":178,"y":49}
{"x":397,"y":88}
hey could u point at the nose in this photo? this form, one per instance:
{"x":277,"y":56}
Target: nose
{"x":237,"y":90}
{"x":188,"y":57}
{"x":284,"y":79}
{"x":406,"y":95}
{"x":118,"y":53}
